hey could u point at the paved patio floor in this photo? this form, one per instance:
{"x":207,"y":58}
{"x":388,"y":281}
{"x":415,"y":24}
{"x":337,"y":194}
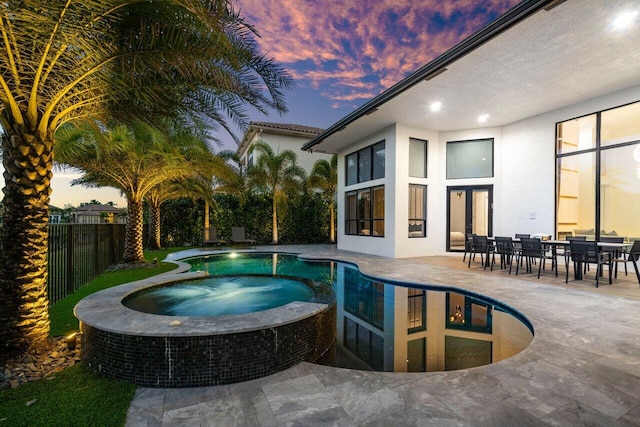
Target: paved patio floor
{"x":582,"y":367}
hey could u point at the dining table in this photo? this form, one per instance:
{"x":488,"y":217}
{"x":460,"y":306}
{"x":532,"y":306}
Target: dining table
{"x":554,"y":244}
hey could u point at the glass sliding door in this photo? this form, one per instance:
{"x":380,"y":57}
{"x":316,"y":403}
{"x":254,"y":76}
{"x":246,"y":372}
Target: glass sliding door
{"x":469,"y":211}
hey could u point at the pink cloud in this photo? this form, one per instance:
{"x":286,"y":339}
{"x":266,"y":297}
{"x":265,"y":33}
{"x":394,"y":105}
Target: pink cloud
{"x":355,"y":50}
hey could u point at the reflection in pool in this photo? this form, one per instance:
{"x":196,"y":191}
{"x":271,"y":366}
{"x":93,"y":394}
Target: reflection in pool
{"x":395,"y":327}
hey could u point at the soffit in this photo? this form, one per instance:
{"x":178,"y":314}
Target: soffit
{"x":548,"y":61}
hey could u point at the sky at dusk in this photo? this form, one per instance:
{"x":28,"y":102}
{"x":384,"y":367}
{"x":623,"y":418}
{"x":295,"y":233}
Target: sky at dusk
{"x":341,"y":53}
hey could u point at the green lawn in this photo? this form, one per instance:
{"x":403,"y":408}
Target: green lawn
{"x":77,"y":396}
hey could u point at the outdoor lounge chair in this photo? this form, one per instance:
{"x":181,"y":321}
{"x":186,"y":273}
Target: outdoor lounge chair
{"x":210,"y":237}
{"x":238,"y":237}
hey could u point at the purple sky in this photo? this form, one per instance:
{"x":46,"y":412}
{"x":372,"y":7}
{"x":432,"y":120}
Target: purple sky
{"x":342,"y":53}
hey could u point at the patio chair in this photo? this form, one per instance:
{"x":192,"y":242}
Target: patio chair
{"x":506,"y":249}
{"x":587,"y":252}
{"x":632,"y":255}
{"x":238,"y":237}
{"x":617,"y":254}
{"x":468,"y":245}
{"x":210,"y":237}
{"x":482,"y":246}
{"x":534,"y":251}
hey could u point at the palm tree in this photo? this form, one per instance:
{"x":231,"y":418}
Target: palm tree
{"x":277,"y":175}
{"x":136,"y":160}
{"x":237,"y":181}
{"x":80,"y":59}
{"x":324,"y":176}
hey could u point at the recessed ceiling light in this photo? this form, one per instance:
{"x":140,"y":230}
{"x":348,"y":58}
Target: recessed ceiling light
{"x":435,"y":106}
{"x":482,"y":118}
{"x":624,"y":20}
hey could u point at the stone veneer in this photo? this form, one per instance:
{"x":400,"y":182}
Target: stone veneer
{"x":174,"y":351}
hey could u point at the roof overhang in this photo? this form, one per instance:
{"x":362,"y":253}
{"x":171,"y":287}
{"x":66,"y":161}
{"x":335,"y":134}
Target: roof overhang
{"x":540,"y":56}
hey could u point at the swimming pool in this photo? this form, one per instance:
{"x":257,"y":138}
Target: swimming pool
{"x":443,"y":329}
{"x":351,"y":321}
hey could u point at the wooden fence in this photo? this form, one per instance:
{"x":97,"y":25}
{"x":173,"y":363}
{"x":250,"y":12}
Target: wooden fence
{"x":80,"y":252}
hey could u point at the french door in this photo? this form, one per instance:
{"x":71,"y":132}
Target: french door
{"x":469,"y":211}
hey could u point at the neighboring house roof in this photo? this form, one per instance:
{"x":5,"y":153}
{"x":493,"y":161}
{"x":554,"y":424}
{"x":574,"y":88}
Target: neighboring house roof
{"x":540,"y":56}
{"x":256,"y":128}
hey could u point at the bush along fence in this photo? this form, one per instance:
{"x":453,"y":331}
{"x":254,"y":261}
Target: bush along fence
{"x":80,"y":252}
{"x":304,"y":219}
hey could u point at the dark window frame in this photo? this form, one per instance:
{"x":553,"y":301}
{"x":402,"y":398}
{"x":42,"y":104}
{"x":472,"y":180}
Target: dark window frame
{"x":411,"y":298}
{"x":357,"y":220}
{"x":374,"y":171}
{"x":426,"y":157}
{"x":422,"y":221}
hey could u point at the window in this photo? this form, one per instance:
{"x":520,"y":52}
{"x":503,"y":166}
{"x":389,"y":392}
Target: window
{"x":366,"y":164}
{"x":250,"y":159}
{"x":417,"y":158}
{"x":378,"y":160}
{"x":470,"y":159}
{"x":352,"y":168}
{"x":598,"y":174}
{"x":468,"y":313}
{"x":417,"y":210}
{"x":417,"y":355}
{"x":364,"y":213}
{"x":368,"y":346}
{"x":417,"y":310}
{"x":364,"y":298}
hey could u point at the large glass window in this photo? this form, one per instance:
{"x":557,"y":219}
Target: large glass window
{"x":366,"y":164}
{"x":598,"y":174}
{"x":351,"y":213}
{"x":379,"y":157}
{"x":576,"y":195}
{"x":621,"y":125}
{"x":352,"y":168}
{"x":417,"y":158}
{"x":417,"y":210}
{"x":470,"y":159}
{"x":576,"y":135}
{"x":620,"y":192}
{"x":364,"y":213}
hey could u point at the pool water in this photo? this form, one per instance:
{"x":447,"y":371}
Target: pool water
{"x":220,"y":296}
{"x":392,"y":327}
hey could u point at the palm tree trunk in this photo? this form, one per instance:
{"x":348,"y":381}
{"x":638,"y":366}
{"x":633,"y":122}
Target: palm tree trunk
{"x":154,"y":227}
{"x":24,"y":239}
{"x":133,"y":250}
{"x":274,"y":223}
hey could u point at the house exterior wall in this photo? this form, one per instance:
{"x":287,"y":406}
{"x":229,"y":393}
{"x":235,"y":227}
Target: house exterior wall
{"x":384,"y":246}
{"x":523,"y":181}
{"x":280,"y":143}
